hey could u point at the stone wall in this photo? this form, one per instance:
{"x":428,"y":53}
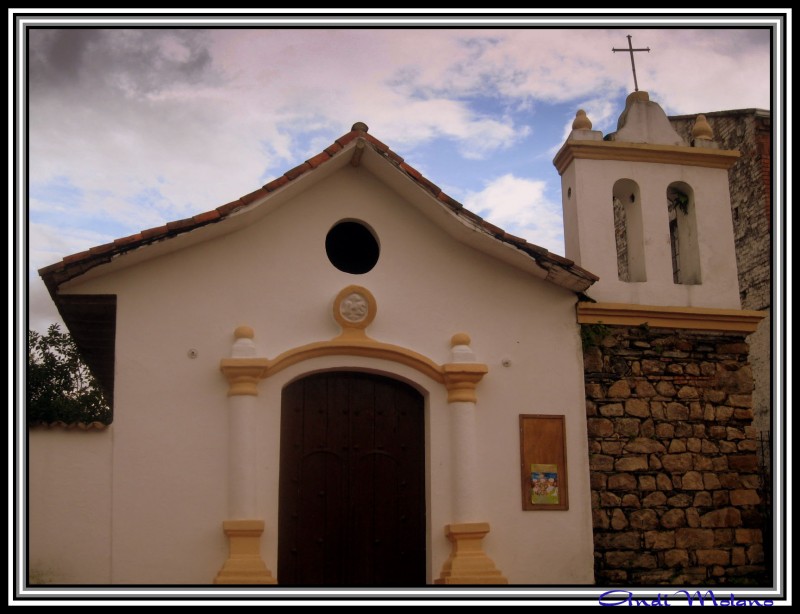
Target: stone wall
{"x":675,"y":476}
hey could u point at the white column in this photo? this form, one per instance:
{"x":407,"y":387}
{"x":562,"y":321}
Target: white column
{"x":465,"y":463}
{"x":464,"y":437}
{"x":243,"y":528}
{"x":242,"y":424}
{"x":468,"y":563}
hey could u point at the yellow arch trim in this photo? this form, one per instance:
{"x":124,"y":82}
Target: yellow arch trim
{"x":366,"y":347}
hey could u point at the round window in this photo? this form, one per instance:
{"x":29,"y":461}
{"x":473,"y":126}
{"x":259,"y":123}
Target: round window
{"x":352,"y":248}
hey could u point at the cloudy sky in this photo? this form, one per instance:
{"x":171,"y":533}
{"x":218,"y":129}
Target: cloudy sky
{"x":130,"y":128}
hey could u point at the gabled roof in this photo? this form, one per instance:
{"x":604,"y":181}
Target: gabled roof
{"x":559,"y":270}
{"x":92,"y":318}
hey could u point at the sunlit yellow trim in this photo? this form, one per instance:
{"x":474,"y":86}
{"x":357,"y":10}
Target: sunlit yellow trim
{"x":699,"y":318}
{"x":244,"y":374}
{"x":643,"y":152}
{"x":468,"y":563}
{"x":364,"y":346}
{"x":461,"y":379}
{"x":244,"y":564}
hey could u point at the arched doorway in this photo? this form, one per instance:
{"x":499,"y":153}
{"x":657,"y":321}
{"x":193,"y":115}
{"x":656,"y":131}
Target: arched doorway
{"x":352,"y":482}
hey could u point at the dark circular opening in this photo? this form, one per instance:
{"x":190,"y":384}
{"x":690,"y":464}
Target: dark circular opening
{"x":352,"y":248}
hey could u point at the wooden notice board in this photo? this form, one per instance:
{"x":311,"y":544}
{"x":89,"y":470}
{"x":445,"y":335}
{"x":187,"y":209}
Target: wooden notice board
{"x":543,"y":452}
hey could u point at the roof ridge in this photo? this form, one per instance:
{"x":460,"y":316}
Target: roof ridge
{"x":76,"y":264}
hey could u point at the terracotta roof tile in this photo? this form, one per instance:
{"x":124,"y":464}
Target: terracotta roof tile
{"x":561,"y":259}
{"x":101,"y":249}
{"x":228,"y":208}
{"x":450,"y":202}
{"x":382,"y":147}
{"x":320,"y":158}
{"x":495,"y":230}
{"x":474,"y":217}
{"x":180,"y":225}
{"x":430,"y":186}
{"x":254,"y":195}
{"x":333,"y":149}
{"x":297,"y":171}
{"x":276,"y":183}
{"x":346,"y":138}
{"x":515,"y":239}
{"x":151,"y":233}
{"x":208,"y":216}
{"x":128,"y":240}
{"x":411,"y":171}
{"x":76,"y":257}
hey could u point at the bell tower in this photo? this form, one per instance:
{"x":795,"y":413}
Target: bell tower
{"x":649,"y":213}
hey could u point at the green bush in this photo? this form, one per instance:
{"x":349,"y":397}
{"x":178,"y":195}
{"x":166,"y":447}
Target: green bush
{"x":60,"y":385}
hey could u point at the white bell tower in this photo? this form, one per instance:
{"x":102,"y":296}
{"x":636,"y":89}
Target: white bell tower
{"x":649,"y":213}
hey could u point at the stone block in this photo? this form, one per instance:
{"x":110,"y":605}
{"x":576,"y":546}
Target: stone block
{"x":600,"y":427}
{"x":673,"y":519}
{"x":612,"y":409}
{"x":677,"y":463}
{"x":601,"y":462}
{"x":682,"y":499}
{"x":631,"y":463}
{"x":676,"y":558}
{"x":644,"y":389}
{"x":713,"y":557}
{"x":638,"y":408}
{"x":748,"y":536}
{"x":676,"y":446}
{"x":666,"y":389}
{"x":627,"y":427}
{"x":612,"y":447}
{"x":647,"y":482}
{"x":743,"y":462}
{"x":609,"y":499}
{"x":621,"y":481}
{"x":702,"y":499}
{"x":631,"y":500}
{"x":692,"y":480}
{"x":723,"y":537}
{"x":619,"y":390}
{"x":740,"y":400}
{"x":664,"y":430}
{"x":659,"y":540}
{"x":600,"y":519}
{"x":618,"y":520}
{"x":644,"y":519}
{"x":694,"y":538}
{"x":676,"y":411}
{"x":644,"y":445}
{"x":727,"y":517}
{"x":744,"y":497}
{"x":654,"y":499}
{"x":626,"y":540}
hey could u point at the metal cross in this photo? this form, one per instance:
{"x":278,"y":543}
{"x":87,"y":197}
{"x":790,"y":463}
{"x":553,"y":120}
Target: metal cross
{"x":630,"y":50}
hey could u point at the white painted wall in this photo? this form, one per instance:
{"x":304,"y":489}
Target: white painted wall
{"x":587,"y":188}
{"x":169,"y":457}
{"x":69,"y":511}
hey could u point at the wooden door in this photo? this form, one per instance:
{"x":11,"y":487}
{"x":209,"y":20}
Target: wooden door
{"x":352,"y":482}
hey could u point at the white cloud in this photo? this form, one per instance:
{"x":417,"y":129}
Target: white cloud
{"x":151,"y":126}
{"x":521,"y":207}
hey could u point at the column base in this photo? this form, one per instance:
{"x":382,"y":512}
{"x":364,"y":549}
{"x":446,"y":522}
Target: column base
{"x":468,"y":563}
{"x":244,"y":564}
